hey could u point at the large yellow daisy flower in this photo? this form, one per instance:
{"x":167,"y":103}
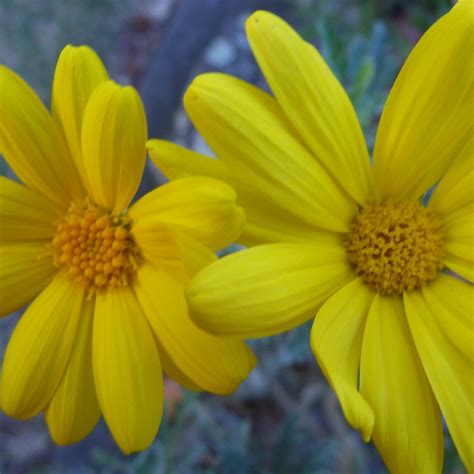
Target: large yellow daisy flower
{"x":351,"y":242}
{"x":109,"y":313}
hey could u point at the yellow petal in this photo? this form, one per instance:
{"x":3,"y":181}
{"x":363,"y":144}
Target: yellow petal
{"x":457,"y":216}
{"x":159,"y":245}
{"x":175,"y":161}
{"x":114,"y":134}
{"x":78,"y":72}
{"x":74,"y":410}
{"x":194,"y":255}
{"x":314,"y":102}
{"x":336,"y":340}
{"x":32,"y":144}
{"x":266,"y":221}
{"x":267,"y":289}
{"x":427,"y":119}
{"x":24,"y":213}
{"x":460,"y":266}
{"x":127,"y":370}
{"x":247,"y":130}
{"x":407,"y":431}
{"x":459,"y":243}
{"x":454,"y":191}
{"x":25,"y":271}
{"x":452,"y":303}
{"x":453,"y":199}
{"x":39,"y":349}
{"x":215,"y":364}
{"x":449,"y":371}
{"x":199,"y":207}
{"x":173,"y":372}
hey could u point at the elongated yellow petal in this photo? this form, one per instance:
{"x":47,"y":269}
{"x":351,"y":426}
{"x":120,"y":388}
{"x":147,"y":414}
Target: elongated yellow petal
{"x":266,"y":221}
{"x":114,"y":134}
{"x":160,"y":246}
{"x":202,"y":208}
{"x":314,"y":102}
{"x":246,"y":128}
{"x":24,"y":272}
{"x":175,"y":161}
{"x":460,"y":266}
{"x":452,"y":303}
{"x":267,"y":289}
{"x":449,"y":371}
{"x":459,"y":242}
{"x":215,"y":364}
{"x":74,"y":410}
{"x":336,"y":340}
{"x":24,"y":214}
{"x":194,"y":255}
{"x":407,"y":431}
{"x":78,"y":72}
{"x":455,"y":217}
{"x":127,"y":370}
{"x":427,"y":119}
{"x":174,"y":373}
{"x":453,"y":199}
{"x":39,"y":349}
{"x":32,"y":144}
{"x":454,"y":191}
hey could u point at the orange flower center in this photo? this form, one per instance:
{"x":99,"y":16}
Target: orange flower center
{"x":95,"y":248}
{"x":396,"y":247}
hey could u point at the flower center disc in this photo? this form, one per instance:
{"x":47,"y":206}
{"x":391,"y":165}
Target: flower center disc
{"x":395,"y":247}
{"x":95,"y":248}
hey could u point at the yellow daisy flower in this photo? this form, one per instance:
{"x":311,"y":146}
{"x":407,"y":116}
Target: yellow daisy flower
{"x":347,"y":242}
{"x":107,"y":281}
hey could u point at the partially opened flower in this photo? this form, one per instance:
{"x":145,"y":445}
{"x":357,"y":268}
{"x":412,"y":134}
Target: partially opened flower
{"x":347,"y":242}
{"x":107,"y":281}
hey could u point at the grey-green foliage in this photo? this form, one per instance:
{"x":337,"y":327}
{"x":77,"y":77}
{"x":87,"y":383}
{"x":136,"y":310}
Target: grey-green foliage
{"x":32,"y":34}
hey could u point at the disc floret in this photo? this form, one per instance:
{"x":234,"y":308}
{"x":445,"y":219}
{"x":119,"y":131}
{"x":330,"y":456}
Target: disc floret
{"x":396,"y":246}
{"x":96,"y":248}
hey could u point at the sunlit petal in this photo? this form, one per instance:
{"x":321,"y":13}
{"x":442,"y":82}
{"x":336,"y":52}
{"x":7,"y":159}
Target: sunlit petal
{"x":336,"y":340}
{"x":407,"y":430}
{"x":127,"y":370}
{"x":39,"y":349}
{"x":427,"y":119}
{"x":267,"y":289}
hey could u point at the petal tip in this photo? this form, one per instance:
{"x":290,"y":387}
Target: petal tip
{"x":258,"y":18}
{"x":200,"y":85}
{"x":206,"y":85}
{"x":152,"y":143}
{"x":192,"y":94}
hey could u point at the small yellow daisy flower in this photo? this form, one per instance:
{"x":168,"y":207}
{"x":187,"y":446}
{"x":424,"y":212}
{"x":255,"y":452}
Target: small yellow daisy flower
{"x":107,"y":281}
{"x":347,"y":242}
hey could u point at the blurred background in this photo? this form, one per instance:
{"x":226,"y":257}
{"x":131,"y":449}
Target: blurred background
{"x":284,"y":419}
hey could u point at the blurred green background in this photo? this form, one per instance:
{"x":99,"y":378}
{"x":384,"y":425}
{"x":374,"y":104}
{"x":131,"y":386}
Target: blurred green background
{"x":284,"y":419}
